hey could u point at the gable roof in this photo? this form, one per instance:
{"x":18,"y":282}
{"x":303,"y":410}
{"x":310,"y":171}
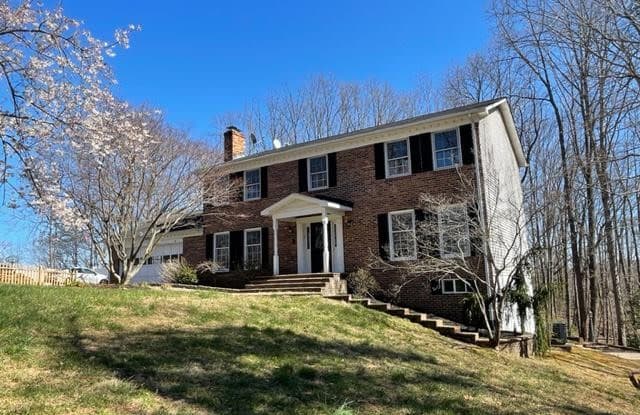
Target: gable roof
{"x":297,"y":204}
{"x":384,"y":132}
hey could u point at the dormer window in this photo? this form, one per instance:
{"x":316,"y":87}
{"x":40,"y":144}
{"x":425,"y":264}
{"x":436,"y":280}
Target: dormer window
{"x":318,"y":173}
{"x":397,"y":158}
{"x":252,"y":184}
{"x":446,"y":149}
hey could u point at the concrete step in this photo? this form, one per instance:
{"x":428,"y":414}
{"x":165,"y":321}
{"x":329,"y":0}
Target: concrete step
{"x":448,"y":330}
{"x":466,"y":336}
{"x":315,"y":290}
{"x":292,"y":279}
{"x":378,"y":306}
{"x":280,"y":293}
{"x":398,"y":311}
{"x":361,"y":301}
{"x":310,"y":284}
{"x":308,"y":275}
{"x":416,"y":317}
{"x":431,"y":323}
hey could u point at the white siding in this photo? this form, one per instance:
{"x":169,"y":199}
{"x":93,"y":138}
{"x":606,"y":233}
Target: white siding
{"x":504,"y":202}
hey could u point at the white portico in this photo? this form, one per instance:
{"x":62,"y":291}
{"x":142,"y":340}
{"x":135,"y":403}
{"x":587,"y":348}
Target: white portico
{"x":319,"y":232}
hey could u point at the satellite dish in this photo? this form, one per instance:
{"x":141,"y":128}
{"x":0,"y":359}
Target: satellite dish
{"x":253,"y":139}
{"x":276,"y":143}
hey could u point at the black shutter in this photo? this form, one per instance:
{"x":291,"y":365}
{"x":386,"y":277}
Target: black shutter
{"x":475,"y":232}
{"x":379,"y":160}
{"x":265,"y":248}
{"x":237,"y":190}
{"x":466,"y":144}
{"x":427,"y":152}
{"x":236,"y":250}
{"x":264,"y":182}
{"x":333,"y":171}
{"x":420,"y":231}
{"x":416,"y":153}
{"x":383,"y":235}
{"x":302,"y":175}
{"x":209,"y":247}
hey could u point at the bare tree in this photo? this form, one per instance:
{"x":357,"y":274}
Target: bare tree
{"x":323,"y":107}
{"x":129,"y":197}
{"x":461,"y":240}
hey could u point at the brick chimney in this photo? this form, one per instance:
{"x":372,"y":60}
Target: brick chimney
{"x":233,"y":143}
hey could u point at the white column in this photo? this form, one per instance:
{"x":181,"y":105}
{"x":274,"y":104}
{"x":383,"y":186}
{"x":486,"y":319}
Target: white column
{"x":276,"y":259}
{"x":325,"y":241}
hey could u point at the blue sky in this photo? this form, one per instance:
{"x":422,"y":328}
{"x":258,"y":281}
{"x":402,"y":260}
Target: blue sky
{"x":198,"y":59}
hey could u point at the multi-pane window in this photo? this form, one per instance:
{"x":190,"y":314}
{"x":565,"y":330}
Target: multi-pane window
{"x":402,"y":235}
{"x":221,"y":250}
{"x":397,"y":156}
{"x":253,"y":248}
{"x":252,"y":184}
{"x":455,"y":286}
{"x":318,"y":173}
{"x":446,"y":149}
{"x":453,"y":226}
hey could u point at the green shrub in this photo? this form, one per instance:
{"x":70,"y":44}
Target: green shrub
{"x":361,"y":282}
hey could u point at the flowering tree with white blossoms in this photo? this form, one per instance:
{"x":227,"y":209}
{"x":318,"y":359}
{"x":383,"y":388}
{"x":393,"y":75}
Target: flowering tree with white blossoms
{"x":54,"y":86}
{"x":150,"y":179}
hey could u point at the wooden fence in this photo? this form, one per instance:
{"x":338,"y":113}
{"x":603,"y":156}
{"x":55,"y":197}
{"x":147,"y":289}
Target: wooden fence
{"x":33,"y":275}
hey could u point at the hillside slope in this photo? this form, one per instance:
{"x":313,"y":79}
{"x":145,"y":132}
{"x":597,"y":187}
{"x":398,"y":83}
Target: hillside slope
{"x":89,"y":350}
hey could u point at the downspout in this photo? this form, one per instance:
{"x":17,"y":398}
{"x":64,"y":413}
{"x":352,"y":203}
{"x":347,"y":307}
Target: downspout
{"x":482,"y":210}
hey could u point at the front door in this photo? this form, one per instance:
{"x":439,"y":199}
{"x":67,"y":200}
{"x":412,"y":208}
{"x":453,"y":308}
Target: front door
{"x":317,"y":247}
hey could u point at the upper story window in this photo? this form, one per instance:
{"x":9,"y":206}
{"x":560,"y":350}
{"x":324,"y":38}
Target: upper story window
{"x":453,"y":226}
{"x":252,"y":184}
{"x":397,"y":158}
{"x":221,"y":250}
{"x":253,"y":248}
{"x":402,"y":232}
{"x":318,"y":173}
{"x":446,"y":149}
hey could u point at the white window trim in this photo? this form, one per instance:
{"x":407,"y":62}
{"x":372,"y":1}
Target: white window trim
{"x":246,"y":247}
{"x":386,"y":159}
{"x":392,"y":254}
{"x":215,"y":248}
{"x":467,"y":252}
{"x":326,"y":159}
{"x":246,"y":199}
{"x":433,"y":149}
{"x":455,"y":290}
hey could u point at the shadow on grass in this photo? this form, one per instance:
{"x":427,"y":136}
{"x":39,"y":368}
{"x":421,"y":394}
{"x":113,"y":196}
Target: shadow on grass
{"x":245,"y":370}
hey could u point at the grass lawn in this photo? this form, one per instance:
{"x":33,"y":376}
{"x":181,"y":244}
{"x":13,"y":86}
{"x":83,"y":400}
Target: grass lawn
{"x":90,"y":350}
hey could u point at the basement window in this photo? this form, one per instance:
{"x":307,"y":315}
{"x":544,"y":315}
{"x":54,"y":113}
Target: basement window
{"x":454,"y":286}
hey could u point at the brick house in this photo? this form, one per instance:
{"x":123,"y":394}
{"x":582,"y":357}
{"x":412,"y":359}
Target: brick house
{"x":328,"y":205}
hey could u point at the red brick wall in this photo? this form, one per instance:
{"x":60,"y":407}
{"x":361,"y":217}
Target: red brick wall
{"x":356,"y":183}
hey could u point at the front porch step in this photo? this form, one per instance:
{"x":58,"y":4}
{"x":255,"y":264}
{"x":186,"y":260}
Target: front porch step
{"x":310,"y":290}
{"x":301,"y":276}
{"x":280,"y":293}
{"x":326,"y":284}
{"x":322,"y":280}
{"x":261,"y":285}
